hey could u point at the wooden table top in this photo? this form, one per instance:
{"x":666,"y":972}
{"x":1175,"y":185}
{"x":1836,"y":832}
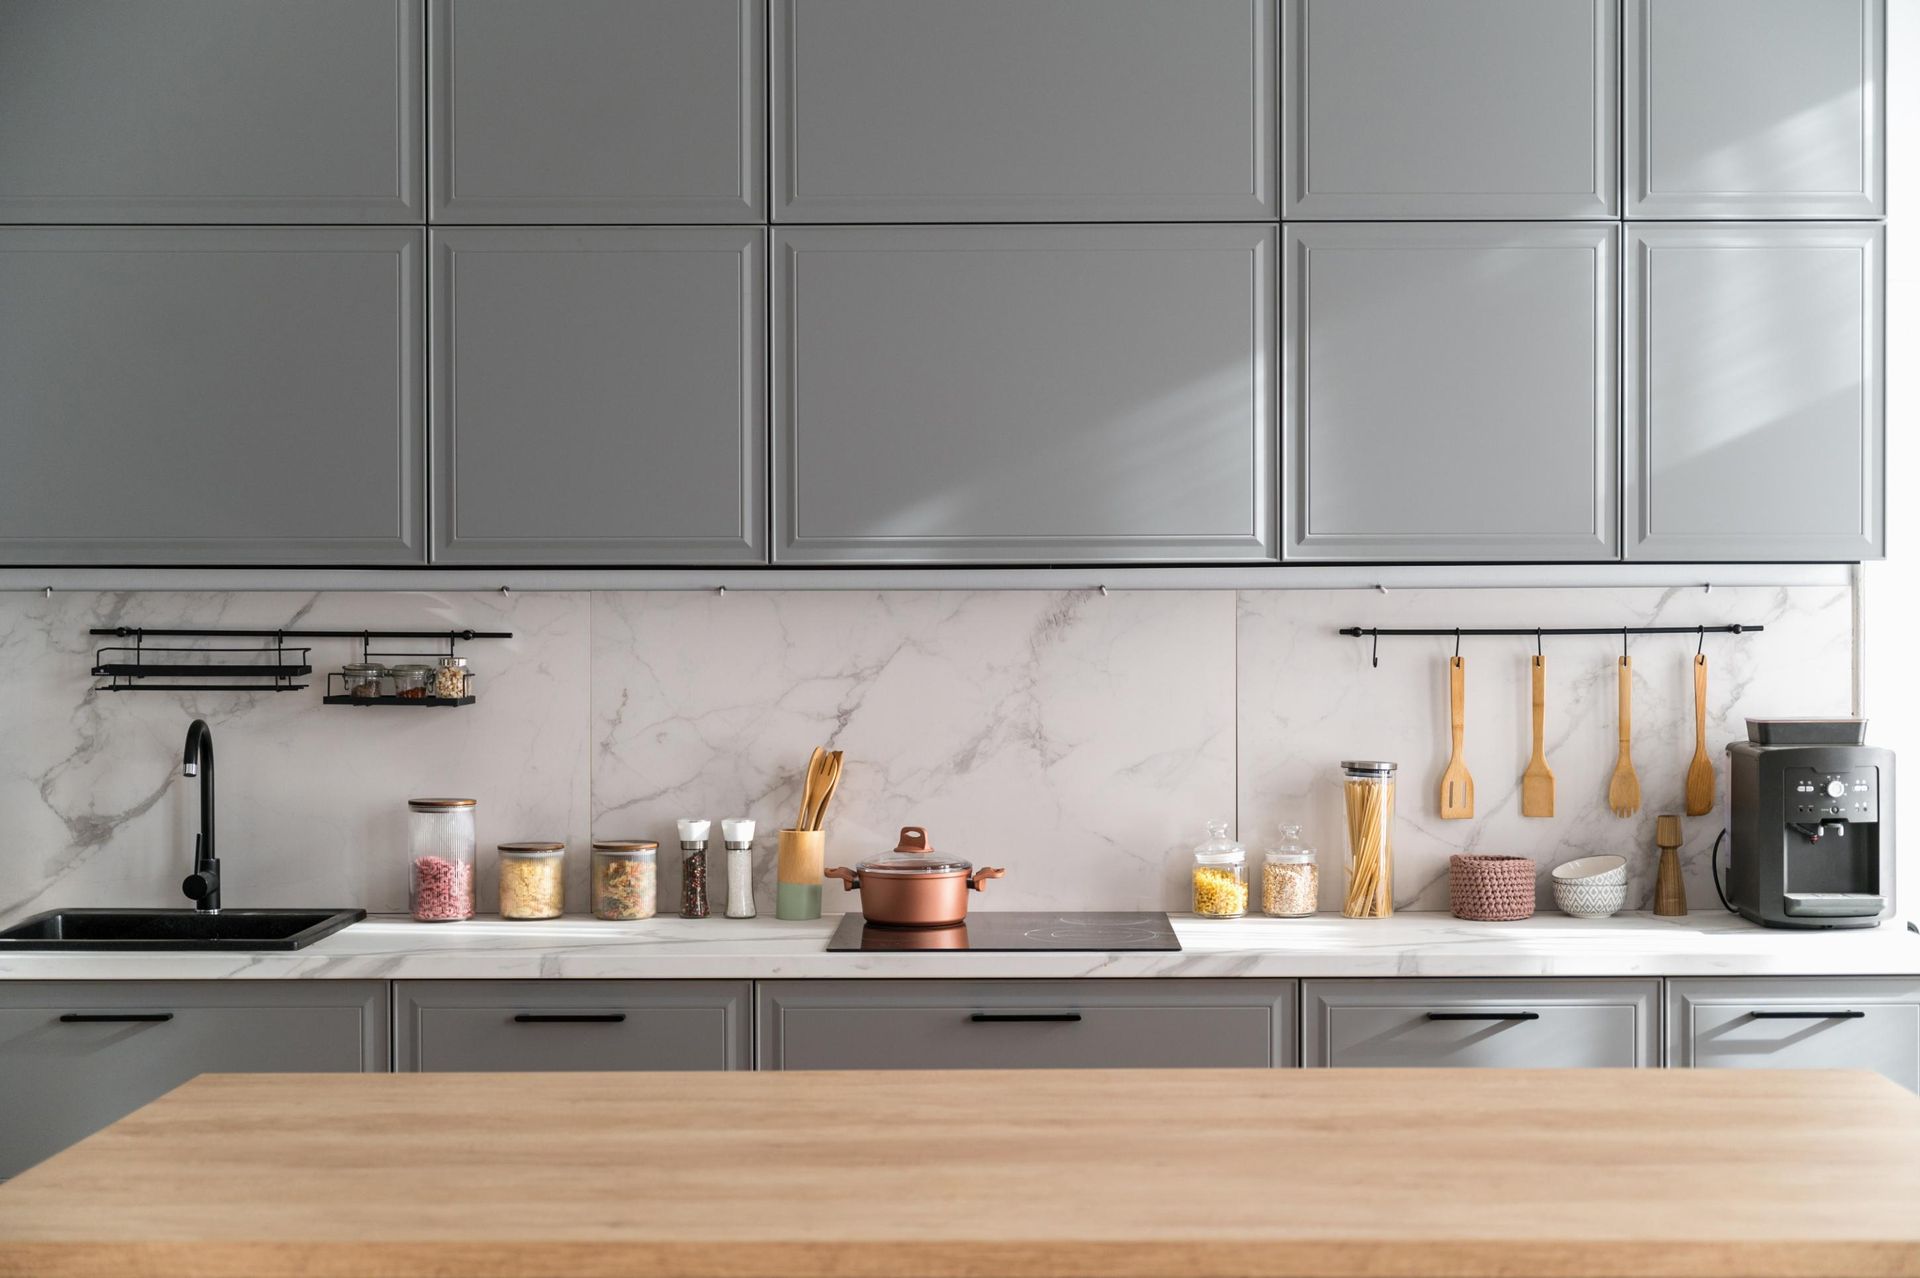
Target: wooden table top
{"x":1054,"y":1173}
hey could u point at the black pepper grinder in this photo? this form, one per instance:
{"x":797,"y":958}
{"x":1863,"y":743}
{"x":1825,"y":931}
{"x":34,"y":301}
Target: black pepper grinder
{"x":693,"y":868}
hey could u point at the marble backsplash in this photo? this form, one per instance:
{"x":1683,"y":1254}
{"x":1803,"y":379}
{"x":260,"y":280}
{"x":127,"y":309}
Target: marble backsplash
{"x":1079,"y":740}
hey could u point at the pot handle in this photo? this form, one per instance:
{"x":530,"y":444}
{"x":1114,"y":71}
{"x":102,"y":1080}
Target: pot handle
{"x":978,"y":879}
{"x":849,"y":879}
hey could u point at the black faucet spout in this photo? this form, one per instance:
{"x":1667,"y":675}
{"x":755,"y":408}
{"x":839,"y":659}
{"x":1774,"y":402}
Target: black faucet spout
{"x":203,"y":885}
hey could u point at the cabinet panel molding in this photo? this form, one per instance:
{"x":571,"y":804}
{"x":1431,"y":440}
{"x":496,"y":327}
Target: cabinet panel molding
{"x":1860,"y":1022}
{"x":1514,"y":1024}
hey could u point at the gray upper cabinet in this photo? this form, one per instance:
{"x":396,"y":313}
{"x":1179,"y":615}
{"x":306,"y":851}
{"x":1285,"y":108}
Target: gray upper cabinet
{"x":1451,"y":392}
{"x":1023,"y":110}
{"x":1451,"y":108}
{"x":1796,"y":1023}
{"x":211,"y":111}
{"x":606,"y":111}
{"x":599,"y":395}
{"x":1023,"y":394}
{"x":1755,"y":416}
{"x":1756,"y":108}
{"x":239,"y":395}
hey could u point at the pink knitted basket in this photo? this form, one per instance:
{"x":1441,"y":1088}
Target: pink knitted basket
{"x":1492,"y":889}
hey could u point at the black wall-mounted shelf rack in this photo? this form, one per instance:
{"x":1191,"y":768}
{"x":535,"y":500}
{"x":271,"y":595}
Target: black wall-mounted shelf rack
{"x":1537,"y":633}
{"x":271,"y":664}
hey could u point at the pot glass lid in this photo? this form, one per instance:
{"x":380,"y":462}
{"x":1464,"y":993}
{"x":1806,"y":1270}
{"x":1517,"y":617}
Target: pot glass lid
{"x":917,"y":863}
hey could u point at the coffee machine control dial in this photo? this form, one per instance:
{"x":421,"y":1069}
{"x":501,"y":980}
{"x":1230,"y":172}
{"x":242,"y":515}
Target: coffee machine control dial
{"x":1836,"y":789}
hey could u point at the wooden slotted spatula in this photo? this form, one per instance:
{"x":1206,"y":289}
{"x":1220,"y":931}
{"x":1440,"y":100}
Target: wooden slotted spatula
{"x":1623,"y":792}
{"x":1536,"y":783}
{"x":1700,"y":771}
{"x":1456,"y":783}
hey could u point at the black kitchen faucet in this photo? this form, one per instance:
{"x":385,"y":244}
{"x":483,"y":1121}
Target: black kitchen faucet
{"x":203,"y":885}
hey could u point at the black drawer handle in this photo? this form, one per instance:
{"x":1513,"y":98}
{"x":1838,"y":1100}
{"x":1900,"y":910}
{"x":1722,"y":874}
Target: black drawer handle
{"x":114,"y":1018}
{"x":1807,"y":1016}
{"x":1483,"y":1016}
{"x":996,"y":1018}
{"x":570,"y":1018}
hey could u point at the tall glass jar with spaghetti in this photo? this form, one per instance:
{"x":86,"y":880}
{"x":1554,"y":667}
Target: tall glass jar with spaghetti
{"x":1369,"y":787}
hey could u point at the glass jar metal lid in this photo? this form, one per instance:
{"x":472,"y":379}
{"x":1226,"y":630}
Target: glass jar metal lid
{"x":1369,"y":767}
{"x":364,"y":668}
{"x":532,"y":849}
{"x":411,"y":669}
{"x":437,"y":805}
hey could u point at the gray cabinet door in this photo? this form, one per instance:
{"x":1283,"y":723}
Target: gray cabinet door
{"x":1756,"y":108}
{"x":211,"y":111}
{"x":1451,"y":392}
{"x":69,"y":1073}
{"x":1084,"y":1024}
{"x":462,"y":1026}
{"x":1023,"y":394}
{"x":1023,"y":110}
{"x":599,"y":110}
{"x":1755,"y":392}
{"x":1531,"y":1024}
{"x":1860,"y":1022}
{"x":224,"y":396}
{"x":599,"y":395}
{"x":1451,"y":108}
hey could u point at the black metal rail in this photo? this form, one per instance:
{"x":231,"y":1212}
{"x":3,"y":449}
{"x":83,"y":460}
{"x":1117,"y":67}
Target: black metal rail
{"x":1536,"y":633}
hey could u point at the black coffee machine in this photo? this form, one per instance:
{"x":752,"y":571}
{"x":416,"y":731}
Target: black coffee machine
{"x":1812,"y":825}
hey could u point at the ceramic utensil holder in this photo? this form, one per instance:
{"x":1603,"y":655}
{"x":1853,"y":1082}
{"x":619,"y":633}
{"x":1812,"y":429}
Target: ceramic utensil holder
{"x":801,"y":860}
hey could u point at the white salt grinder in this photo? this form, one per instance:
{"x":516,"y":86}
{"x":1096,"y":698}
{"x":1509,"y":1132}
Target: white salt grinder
{"x":738,"y":832}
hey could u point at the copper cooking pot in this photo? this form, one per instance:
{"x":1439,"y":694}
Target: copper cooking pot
{"x":914,"y":886}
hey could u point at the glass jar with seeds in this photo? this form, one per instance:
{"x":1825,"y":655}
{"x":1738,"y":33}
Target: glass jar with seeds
{"x":1290,"y":878}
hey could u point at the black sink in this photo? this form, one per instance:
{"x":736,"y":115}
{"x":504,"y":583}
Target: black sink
{"x":175,"y":929}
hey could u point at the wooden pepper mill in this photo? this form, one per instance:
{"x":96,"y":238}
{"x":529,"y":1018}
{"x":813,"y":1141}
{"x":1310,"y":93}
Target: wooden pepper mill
{"x":1669,"y":893}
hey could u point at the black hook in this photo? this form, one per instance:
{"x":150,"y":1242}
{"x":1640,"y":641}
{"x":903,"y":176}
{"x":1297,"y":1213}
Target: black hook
{"x":1700,"y":649}
{"x":1538,"y":650}
{"x":1376,"y":648}
{"x":1456,"y":645}
{"x":1623,"y":643}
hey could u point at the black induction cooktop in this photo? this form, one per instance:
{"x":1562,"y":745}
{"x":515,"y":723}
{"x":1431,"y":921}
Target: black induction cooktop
{"x":1009,"y":931}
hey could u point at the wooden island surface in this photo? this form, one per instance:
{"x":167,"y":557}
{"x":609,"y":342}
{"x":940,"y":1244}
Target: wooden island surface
{"x":969,"y":1174}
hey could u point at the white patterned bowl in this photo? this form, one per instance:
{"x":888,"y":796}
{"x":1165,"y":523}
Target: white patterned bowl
{"x":1592,"y":869}
{"x":1586,"y":899}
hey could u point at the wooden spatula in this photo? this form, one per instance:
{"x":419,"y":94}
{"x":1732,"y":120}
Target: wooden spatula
{"x":1536,"y":783}
{"x":1456,"y":784}
{"x":1623,"y":792}
{"x":1700,"y":771}
{"x":810,"y":788}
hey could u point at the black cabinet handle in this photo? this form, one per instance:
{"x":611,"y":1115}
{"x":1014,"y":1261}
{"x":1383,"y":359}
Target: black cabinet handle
{"x":572,"y":1018}
{"x":114,"y":1018}
{"x":994,"y":1018}
{"x":1807,"y":1016}
{"x":1483,"y":1016}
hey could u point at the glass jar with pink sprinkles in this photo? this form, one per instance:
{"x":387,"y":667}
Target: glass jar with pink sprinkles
{"x":440,"y":847}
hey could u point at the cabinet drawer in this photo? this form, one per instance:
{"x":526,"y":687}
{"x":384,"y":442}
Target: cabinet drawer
{"x":1855,"y":1023}
{"x":1159,"y":1024}
{"x":1480,"y":1024}
{"x":77,"y":1055}
{"x":568,"y":1025}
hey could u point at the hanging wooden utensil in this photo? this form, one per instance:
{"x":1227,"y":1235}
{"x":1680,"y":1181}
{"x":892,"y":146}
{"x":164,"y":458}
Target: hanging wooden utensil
{"x":1700,"y":771}
{"x":1536,"y":783}
{"x":1623,"y":792}
{"x":1456,"y":783}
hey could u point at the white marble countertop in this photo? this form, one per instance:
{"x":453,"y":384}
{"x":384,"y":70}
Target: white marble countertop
{"x":1422,"y":944}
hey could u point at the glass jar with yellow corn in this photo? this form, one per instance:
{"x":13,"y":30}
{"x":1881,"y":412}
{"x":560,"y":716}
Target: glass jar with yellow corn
{"x":1219,"y":875}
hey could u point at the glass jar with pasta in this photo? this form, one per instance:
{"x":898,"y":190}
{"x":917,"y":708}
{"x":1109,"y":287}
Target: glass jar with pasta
{"x":1219,"y":875}
{"x":1369,"y":795}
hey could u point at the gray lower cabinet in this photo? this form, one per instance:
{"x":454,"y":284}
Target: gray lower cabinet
{"x":599,"y":395}
{"x":1081,"y":1024}
{"x":1023,"y":110}
{"x":231,"y":395}
{"x":77,"y":1055}
{"x":1451,"y":392}
{"x":572,"y":1025}
{"x":1023,"y":394}
{"x":1755,"y":421}
{"x":603,"y":111}
{"x":1451,"y":108}
{"x":211,"y":111}
{"x":1528,"y":1024}
{"x":1756,"y":108}
{"x":1860,"y":1022}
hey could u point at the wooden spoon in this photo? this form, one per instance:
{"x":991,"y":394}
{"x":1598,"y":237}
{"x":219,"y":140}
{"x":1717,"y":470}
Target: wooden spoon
{"x":1536,"y":783}
{"x":1456,"y":784}
{"x":1700,"y":771}
{"x":809,"y":787}
{"x":1623,"y":792}
{"x":829,"y":782}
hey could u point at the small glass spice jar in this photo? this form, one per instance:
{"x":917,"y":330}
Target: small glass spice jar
{"x":361,"y":679}
{"x":624,"y":876}
{"x":1219,"y":875}
{"x":1290,"y":878}
{"x":450,"y":678}
{"x":533,"y":882}
{"x":411,"y":681}
{"x":440,"y":859}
